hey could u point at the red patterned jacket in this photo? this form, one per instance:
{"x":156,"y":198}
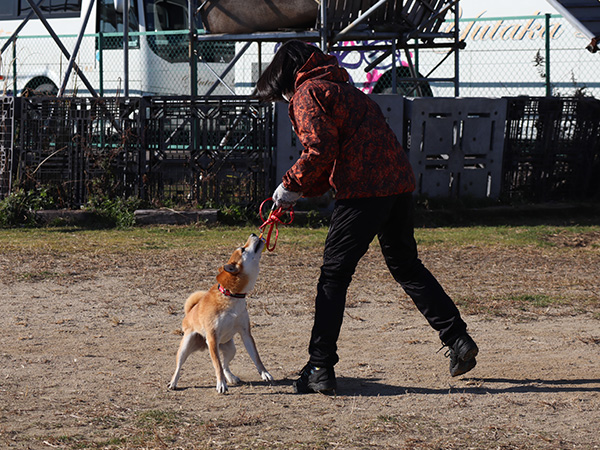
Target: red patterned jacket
{"x":348,"y":145}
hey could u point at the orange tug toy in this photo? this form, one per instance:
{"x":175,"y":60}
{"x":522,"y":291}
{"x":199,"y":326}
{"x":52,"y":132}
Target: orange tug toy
{"x":276,"y":217}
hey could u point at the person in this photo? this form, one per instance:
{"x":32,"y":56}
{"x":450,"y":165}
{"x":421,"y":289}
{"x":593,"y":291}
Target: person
{"x":349,"y":148}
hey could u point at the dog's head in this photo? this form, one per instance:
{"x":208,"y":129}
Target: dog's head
{"x":241,"y":271}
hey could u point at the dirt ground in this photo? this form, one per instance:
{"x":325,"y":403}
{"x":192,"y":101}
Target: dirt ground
{"x":88,"y":344}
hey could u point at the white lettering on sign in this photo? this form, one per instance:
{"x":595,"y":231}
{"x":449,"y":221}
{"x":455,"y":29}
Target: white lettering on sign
{"x":503,"y":30}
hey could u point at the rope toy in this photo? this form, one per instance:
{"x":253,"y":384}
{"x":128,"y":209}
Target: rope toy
{"x":272,"y":222}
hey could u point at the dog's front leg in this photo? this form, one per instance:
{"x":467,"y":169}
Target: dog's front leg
{"x":251,"y":349}
{"x":213,"y":348}
{"x":228,"y":352}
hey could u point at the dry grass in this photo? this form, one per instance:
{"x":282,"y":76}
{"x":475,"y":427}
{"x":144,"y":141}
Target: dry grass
{"x":90,"y":329}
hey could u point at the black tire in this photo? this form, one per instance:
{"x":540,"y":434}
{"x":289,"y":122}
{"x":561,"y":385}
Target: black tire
{"x":40,"y":86}
{"x":404,"y":84}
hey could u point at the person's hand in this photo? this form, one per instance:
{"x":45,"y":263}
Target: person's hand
{"x":284,"y":198}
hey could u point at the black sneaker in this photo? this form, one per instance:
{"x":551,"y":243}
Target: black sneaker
{"x":315,"y":379}
{"x":462,"y":355}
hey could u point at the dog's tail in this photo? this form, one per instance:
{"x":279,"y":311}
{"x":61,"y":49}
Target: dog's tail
{"x":193,"y":300}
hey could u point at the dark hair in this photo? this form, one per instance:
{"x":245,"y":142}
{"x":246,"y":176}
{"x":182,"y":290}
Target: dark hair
{"x":280,"y":76}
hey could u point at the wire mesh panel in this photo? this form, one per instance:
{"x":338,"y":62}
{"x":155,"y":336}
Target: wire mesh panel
{"x":114,"y":147}
{"x":166,"y":150}
{"x":79,"y":146}
{"x":455,"y":146}
{"x":209,"y":151}
{"x":48,"y":153}
{"x":552,"y":149}
{"x":7,"y":116}
{"x":220,"y":151}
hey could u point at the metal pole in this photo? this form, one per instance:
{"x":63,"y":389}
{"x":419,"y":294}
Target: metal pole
{"x":548,"y":86}
{"x":101,"y":61}
{"x":259,"y":59}
{"x":416,"y":62}
{"x":192,"y":49}
{"x":340,"y":36}
{"x":126,"y":48}
{"x":394,"y":74}
{"x":15,"y":69}
{"x":220,"y":78}
{"x":62,"y":47}
{"x":456,"y":52}
{"x":413,"y":73}
{"x":324,"y":25}
{"x":61,"y":92}
{"x":194,"y":138}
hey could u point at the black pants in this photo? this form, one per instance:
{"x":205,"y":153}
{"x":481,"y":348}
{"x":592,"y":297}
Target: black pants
{"x":354,"y":224}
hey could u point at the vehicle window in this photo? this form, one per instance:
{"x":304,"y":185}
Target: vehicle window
{"x":168,"y":15}
{"x":172,"y":15}
{"x":53,"y":8}
{"x":111,"y":21}
{"x":9,"y":12}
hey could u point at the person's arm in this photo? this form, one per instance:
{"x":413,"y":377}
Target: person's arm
{"x":318,"y":134}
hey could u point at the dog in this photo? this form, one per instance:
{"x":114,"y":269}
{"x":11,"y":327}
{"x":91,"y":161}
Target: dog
{"x":214,"y":317}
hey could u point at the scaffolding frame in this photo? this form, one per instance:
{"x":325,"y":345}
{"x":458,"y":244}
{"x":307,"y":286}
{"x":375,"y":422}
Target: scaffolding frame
{"x":405,"y":24}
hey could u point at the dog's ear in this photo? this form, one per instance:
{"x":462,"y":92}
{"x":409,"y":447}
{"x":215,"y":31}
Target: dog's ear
{"x":231,"y":268}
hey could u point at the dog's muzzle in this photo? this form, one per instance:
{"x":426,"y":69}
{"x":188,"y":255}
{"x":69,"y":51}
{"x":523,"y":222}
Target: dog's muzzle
{"x":257,"y":243}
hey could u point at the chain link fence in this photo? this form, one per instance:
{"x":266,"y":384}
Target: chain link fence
{"x":158,"y":64}
{"x":504,"y":56}
{"x":542,"y":55}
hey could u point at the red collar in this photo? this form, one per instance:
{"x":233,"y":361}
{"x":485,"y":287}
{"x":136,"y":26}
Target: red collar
{"x":229,"y":293}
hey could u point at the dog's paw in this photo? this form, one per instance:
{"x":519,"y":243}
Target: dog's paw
{"x":232,"y":379}
{"x":221,"y":387}
{"x":266,"y":376}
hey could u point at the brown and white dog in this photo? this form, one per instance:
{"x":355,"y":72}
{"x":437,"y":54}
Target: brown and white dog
{"x":214,"y":317}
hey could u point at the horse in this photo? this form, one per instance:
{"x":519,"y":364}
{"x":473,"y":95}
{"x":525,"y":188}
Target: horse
{"x":249,"y":16}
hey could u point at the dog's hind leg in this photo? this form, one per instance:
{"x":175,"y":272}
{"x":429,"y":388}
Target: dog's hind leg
{"x":228,"y":352}
{"x":190,"y":343}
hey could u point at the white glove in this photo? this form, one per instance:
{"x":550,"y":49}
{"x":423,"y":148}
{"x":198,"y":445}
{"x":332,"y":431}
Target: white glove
{"x":284,"y":198}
